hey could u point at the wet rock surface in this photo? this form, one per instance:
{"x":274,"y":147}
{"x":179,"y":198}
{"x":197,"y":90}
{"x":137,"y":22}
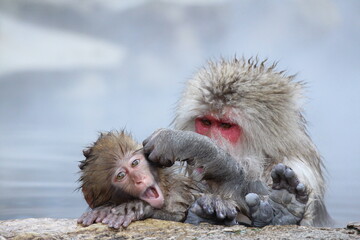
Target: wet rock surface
{"x":47,"y":228}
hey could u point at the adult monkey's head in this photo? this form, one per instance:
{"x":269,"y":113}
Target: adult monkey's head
{"x":249,"y":108}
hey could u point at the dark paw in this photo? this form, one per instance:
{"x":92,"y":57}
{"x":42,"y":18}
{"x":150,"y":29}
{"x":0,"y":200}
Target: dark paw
{"x":288,"y":196}
{"x":284,"y":178}
{"x":285,"y":203}
{"x":157,"y":148}
{"x":212,"y":209}
{"x":260,"y":210}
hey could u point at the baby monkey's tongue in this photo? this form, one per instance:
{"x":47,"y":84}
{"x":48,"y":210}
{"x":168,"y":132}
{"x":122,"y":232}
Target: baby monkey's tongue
{"x":153,"y":196}
{"x":151,"y":193}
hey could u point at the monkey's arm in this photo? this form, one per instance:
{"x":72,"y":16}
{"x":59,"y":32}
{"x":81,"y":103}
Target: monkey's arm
{"x":124,"y":214}
{"x":166,"y":146}
{"x":116,"y":216}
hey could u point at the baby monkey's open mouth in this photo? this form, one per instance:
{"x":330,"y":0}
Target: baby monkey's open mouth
{"x":153,"y":196}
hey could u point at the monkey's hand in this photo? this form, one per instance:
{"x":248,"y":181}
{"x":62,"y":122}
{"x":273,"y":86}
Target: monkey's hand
{"x":159,"y":148}
{"x":285,"y":204}
{"x":95,"y":215}
{"x":212,"y":209}
{"x":123,"y":214}
{"x":165,"y":146}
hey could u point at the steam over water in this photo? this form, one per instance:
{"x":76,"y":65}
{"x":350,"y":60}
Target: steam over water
{"x":69,"y":69}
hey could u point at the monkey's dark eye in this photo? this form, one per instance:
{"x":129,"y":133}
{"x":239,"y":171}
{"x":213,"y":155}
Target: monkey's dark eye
{"x":205,"y":122}
{"x":135,"y":162}
{"x":120,"y":176}
{"x":226,"y":125}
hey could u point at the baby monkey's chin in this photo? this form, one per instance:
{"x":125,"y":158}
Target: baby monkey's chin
{"x":154,"y":196}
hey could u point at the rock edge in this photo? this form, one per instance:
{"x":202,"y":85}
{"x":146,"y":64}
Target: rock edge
{"x":48,"y":228}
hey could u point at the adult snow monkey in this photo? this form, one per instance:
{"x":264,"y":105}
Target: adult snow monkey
{"x":254,"y":112}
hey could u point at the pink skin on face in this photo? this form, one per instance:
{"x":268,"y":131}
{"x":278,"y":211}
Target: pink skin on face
{"x":135,"y":178}
{"x":211,"y":126}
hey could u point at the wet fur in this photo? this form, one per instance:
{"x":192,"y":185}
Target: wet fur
{"x":98,"y":168}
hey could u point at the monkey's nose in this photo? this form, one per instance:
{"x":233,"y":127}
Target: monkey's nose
{"x":138,"y":179}
{"x":138,"y":182}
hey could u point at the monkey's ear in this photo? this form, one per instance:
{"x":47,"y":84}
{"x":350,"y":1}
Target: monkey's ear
{"x":86,"y":152}
{"x":82,"y":164}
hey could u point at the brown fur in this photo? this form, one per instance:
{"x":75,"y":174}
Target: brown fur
{"x":99,"y":166}
{"x":100,"y":163}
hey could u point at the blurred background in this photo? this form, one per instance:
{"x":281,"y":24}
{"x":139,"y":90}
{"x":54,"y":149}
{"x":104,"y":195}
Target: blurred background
{"x":72,"y":68}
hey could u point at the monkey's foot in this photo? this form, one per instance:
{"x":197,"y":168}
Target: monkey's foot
{"x":94,"y":215}
{"x":285,"y":203}
{"x":212,"y":209}
{"x":284,"y":178}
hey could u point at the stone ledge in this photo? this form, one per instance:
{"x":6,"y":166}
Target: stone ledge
{"x":48,"y":228}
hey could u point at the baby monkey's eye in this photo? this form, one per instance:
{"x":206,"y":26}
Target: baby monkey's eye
{"x":120,"y":176}
{"x":135,"y":162}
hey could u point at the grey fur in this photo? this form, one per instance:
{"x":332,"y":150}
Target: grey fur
{"x":267,"y":104}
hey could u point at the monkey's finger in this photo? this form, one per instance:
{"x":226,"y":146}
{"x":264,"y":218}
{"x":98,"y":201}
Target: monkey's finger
{"x":166,"y":162}
{"x":119,"y":210}
{"x":90,"y":218}
{"x":107,"y":219}
{"x":102,"y":214}
{"x":253,"y":201}
{"x":153,"y":157}
{"x":146,"y":144}
{"x":302,"y":194}
{"x":261,"y":212}
{"x":151,"y":137}
{"x":128,"y":219}
{"x":231,"y":212}
{"x":139,"y":211}
{"x":114,"y":220}
{"x":277,"y":175}
{"x":148,"y":147}
{"x":230,"y":209}
{"x":208,"y":209}
{"x":220,"y":209}
{"x":119,"y":222}
{"x":83,"y":216}
{"x":220,"y":213}
{"x":206,"y":204}
{"x":280,"y":168}
{"x":161,"y":160}
{"x":264,"y":216}
{"x":291,"y":179}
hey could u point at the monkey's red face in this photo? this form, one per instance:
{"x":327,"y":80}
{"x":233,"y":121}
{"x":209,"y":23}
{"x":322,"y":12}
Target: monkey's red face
{"x":135,"y":178}
{"x":213,"y":127}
